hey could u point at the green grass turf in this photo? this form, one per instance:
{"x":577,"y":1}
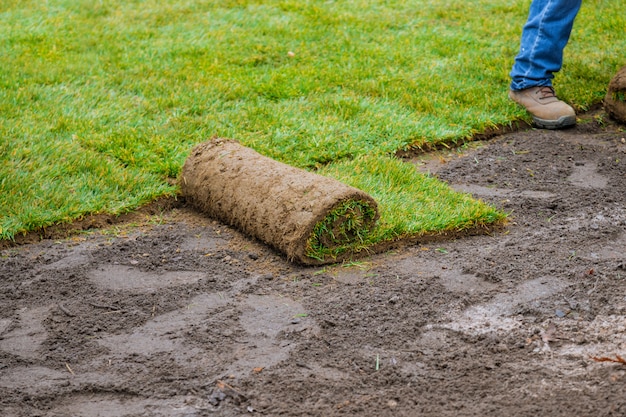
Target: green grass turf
{"x":101,"y":101}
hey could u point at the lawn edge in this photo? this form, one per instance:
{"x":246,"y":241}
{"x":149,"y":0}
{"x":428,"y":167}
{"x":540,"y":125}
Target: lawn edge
{"x":166,"y":204}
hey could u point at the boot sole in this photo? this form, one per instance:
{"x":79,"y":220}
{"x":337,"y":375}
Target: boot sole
{"x":560,"y":123}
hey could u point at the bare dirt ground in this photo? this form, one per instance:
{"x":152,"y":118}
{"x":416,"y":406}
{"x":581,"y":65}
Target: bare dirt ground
{"x":183,"y":316}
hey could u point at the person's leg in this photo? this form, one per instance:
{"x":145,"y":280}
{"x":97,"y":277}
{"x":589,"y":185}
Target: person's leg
{"x":544,"y":37}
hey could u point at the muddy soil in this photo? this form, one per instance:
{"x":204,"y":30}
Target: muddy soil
{"x":179,"y":315}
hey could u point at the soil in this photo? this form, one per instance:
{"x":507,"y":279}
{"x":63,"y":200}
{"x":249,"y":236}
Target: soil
{"x":176,"y":314}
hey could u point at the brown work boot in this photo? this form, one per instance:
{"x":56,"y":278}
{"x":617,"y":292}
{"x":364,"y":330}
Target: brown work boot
{"x":547,"y":110}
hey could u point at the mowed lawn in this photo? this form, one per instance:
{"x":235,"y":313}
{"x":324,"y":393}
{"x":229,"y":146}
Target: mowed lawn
{"x":101,"y":101}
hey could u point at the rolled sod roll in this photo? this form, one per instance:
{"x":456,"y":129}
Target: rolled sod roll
{"x":615,"y":99}
{"x":310,"y":218}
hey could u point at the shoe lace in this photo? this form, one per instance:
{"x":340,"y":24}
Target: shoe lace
{"x":546,"y":92}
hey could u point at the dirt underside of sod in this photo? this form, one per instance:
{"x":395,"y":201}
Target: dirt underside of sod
{"x":170,"y":313}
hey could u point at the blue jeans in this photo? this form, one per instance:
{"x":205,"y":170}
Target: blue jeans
{"x":544,"y":37}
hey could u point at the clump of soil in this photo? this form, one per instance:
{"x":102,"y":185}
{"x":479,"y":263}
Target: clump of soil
{"x":184,"y":316}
